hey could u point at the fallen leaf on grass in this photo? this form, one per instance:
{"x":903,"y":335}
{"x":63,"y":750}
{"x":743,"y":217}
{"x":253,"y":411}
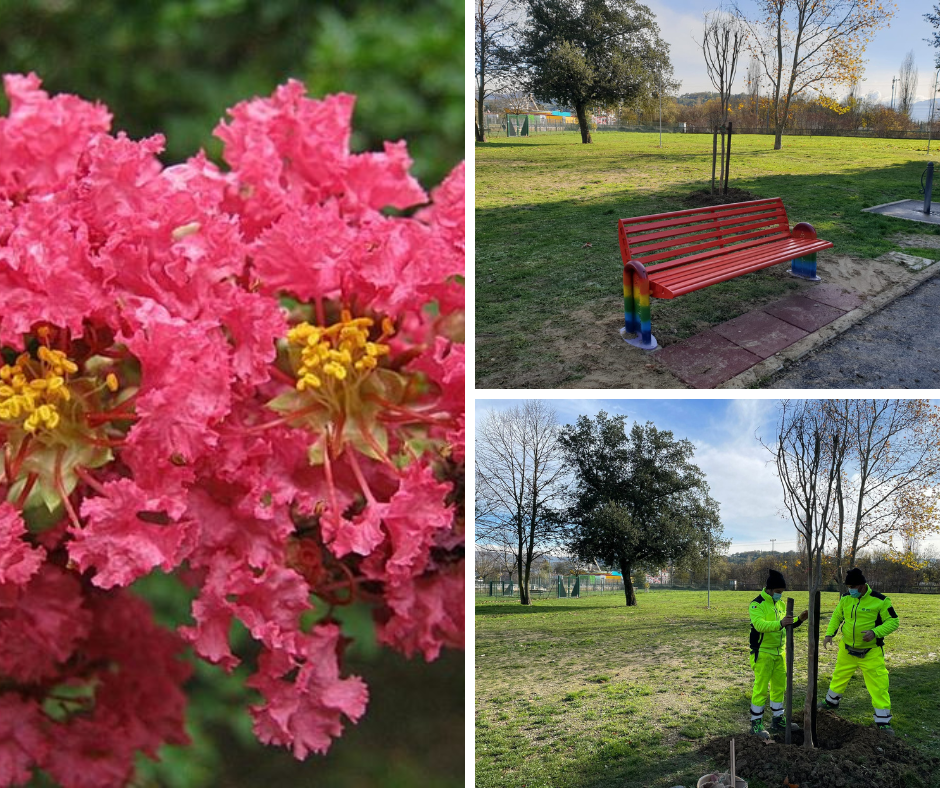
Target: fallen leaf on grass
{"x":586,"y":246}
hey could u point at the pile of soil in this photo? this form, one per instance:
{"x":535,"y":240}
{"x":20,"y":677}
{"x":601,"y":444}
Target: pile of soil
{"x":703,"y":197}
{"x":848,"y":756}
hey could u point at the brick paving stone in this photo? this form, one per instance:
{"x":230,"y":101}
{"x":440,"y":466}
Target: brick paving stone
{"x":760,"y":333}
{"x":802,"y":312}
{"x":707,"y":359}
{"x":834,"y":295}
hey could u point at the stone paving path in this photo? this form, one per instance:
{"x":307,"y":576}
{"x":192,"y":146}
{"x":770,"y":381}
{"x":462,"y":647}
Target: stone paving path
{"x":717,"y":355}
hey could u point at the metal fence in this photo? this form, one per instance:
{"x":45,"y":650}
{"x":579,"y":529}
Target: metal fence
{"x":579,"y":586}
{"x":495,"y":131}
{"x":551,"y":587}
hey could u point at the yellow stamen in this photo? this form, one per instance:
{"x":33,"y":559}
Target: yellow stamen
{"x":336,"y":352}
{"x":34,"y":387}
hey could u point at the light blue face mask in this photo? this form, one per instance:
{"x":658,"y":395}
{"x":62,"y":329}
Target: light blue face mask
{"x":854,"y":593}
{"x":777,"y":597}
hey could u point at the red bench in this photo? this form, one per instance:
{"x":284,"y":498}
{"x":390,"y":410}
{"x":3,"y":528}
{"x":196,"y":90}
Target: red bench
{"x":689,"y":250}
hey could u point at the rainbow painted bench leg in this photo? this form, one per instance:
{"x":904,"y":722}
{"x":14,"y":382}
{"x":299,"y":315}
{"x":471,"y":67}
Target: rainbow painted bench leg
{"x":805,"y":267}
{"x":636,"y":307}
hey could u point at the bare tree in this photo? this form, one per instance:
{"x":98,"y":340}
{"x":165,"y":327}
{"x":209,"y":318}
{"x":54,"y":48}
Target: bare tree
{"x":808,"y":45}
{"x":754,"y":78}
{"x":810,"y":455}
{"x":885,"y":492}
{"x":519,"y":479}
{"x":722,"y":39}
{"x":495,"y":23}
{"x":907,"y":90}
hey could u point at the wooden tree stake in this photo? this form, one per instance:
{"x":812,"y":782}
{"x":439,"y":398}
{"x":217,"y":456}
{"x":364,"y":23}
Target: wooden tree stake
{"x":788,"y":707}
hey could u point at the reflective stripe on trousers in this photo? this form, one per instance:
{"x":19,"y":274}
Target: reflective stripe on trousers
{"x":769,"y":669}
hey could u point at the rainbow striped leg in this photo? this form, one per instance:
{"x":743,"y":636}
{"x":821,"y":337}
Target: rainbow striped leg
{"x":805,"y":267}
{"x":636,"y":307}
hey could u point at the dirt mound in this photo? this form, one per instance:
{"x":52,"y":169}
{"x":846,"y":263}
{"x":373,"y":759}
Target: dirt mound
{"x":849,"y":756}
{"x":703,"y":197}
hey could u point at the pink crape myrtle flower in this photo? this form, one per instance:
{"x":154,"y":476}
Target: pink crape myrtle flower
{"x":253,"y":377}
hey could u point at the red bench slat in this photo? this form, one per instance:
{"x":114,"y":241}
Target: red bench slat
{"x":685,"y":234}
{"x":728,"y":244}
{"x":730,"y":207}
{"x":713,"y":270}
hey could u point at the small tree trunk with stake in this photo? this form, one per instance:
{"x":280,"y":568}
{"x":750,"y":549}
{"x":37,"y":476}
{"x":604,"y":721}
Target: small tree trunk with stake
{"x":788,"y":707}
{"x":714,"y":157}
{"x":721,"y":168}
{"x":728,"y":160}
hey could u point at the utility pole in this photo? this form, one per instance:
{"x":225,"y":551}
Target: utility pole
{"x":933,"y":103}
{"x":660,"y":106}
{"x":708,"y":596}
{"x":893,"y":80}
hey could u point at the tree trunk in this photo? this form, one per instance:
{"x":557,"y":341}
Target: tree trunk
{"x":581,"y":111}
{"x":478,"y":129}
{"x":714,"y":157}
{"x":814,"y":578}
{"x":778,"y":137}
{"x":628,"y":589}
{"x":721,"y":170}
{"x":523,"y":588}
{"x":727,"y":161}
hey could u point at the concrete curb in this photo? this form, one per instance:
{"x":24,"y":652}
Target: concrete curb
{"x":752,"y":377}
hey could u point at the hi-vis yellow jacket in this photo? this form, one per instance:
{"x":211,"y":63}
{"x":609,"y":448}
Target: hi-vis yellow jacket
{"x":870,"y":611}
{"x":767,"y":634}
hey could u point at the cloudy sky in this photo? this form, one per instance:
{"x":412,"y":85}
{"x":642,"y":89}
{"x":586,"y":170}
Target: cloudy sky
{"x":725,"y":434}
{"x":680,"y":23}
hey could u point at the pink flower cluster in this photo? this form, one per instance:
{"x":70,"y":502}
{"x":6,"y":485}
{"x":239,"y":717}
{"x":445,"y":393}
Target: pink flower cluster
{"x":251,"y":377}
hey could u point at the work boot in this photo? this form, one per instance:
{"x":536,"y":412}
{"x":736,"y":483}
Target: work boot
{"x":757,"y":728}
{"x":779,"y":725}
{"x":886,"y":728}
{"x":824,"y":704}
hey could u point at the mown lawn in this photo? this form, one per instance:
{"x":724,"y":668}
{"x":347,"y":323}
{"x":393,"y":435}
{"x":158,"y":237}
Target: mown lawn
{"x":584,"y":693}
{"x":541,"y":200}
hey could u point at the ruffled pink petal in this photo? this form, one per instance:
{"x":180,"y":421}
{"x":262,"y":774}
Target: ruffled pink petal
{"x":307,"y":713}
{"x":128,"y":533}
{"x":22,"y":741}
{"x":19,"y":560}
{"x":41,"y":629}
{"x":42,"y":137}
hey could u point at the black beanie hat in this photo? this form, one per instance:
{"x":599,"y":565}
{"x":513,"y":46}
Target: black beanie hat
{"x":854,"y":577}
{"x":775,"y":580}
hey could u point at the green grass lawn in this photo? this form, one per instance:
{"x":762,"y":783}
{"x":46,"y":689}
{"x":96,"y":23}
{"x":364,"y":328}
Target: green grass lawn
{"x":540,"y":200}
{"x":584,"y":693}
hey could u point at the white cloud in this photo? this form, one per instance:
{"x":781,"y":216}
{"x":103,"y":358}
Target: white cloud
{"x":741,"y":477}
{"x":681,"y":31}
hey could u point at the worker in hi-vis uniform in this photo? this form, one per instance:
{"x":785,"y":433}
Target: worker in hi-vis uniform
{"x":866,"y":617}
{"x":769,"y":620}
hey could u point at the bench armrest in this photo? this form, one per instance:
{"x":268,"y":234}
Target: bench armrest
{"x":804,"y":230}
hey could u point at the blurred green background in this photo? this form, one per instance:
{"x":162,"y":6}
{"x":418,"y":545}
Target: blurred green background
{"x":174,"y":67}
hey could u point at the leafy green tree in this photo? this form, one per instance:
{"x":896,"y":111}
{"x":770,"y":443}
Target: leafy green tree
{"x":637,"y":499}
{"x":585,"y":53}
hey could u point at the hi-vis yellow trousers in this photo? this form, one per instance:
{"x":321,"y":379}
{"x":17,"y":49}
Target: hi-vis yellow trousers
{"x":875,"y":674}
{"x":768,"y":669}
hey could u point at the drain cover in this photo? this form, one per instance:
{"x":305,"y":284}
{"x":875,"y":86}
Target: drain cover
{"x":912,"y":210}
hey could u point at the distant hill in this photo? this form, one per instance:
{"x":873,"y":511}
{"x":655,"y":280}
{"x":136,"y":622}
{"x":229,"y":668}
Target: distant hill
{"x":921,"y":110}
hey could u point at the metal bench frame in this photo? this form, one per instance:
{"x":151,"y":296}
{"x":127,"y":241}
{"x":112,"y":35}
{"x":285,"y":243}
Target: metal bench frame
{"x":692,"y":249}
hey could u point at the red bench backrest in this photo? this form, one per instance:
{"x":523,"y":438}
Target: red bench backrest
{"x":669,"y":239}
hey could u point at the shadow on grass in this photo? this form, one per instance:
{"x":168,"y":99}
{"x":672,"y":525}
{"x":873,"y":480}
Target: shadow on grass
{"x":549,"y":272}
